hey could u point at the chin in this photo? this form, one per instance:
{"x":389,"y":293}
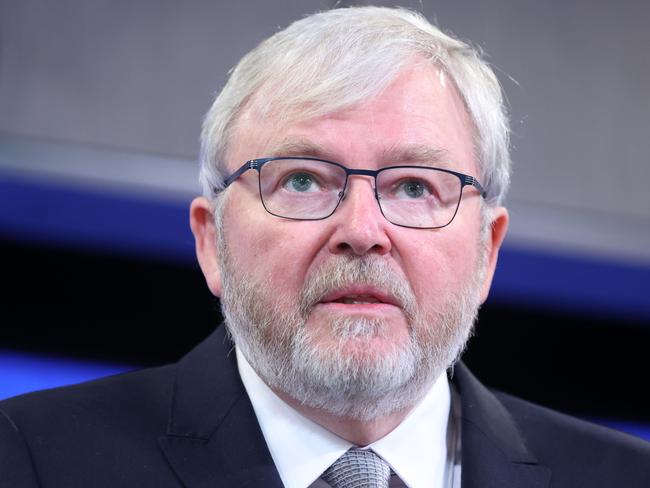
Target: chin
{"x":368,"y":350}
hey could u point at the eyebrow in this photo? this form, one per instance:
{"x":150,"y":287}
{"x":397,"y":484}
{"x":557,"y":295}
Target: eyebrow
{"x":418,"y":154}
{"x":302,"y":147}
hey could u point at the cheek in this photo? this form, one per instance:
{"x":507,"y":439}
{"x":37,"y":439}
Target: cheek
{"x":440,"y":266}
{"x":278,"y":252}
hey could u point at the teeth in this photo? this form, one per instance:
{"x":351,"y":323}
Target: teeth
{"x":351,"y":300}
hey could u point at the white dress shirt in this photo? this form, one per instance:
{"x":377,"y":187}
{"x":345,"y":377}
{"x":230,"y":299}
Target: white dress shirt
{"x":418,"y":450}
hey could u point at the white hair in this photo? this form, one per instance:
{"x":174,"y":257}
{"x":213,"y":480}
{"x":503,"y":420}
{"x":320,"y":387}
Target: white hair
{"x":337,"y":59}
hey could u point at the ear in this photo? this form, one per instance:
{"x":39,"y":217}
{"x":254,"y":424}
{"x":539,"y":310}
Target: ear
{"x":205,"y":238}
{"x":498,"y":229}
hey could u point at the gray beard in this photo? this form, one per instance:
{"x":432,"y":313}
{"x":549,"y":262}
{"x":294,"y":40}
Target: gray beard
{"x":269,"y":328}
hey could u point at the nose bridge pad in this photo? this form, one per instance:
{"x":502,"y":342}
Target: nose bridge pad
{"x":373,"y":186}
{"x":343,"y":193}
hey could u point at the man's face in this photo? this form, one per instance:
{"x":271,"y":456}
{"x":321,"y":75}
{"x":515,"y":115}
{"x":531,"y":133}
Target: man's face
{"x":353,"y":308}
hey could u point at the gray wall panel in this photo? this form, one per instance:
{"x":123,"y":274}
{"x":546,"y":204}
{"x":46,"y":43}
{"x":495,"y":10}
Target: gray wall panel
{"x":136,"y":75}
{"x":139,"y":76}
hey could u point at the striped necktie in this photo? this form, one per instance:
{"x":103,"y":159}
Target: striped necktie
{"x":358,"y":468}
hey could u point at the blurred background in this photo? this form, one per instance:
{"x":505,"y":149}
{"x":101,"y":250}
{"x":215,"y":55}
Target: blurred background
{"x":100,"y":109}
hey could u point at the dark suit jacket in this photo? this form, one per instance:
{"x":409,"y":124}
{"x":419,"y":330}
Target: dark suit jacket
{"x":191,"y":424}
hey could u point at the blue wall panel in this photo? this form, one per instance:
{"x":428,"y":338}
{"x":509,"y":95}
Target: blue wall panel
{"x":157,"y":228}
{"x":22,"y":373}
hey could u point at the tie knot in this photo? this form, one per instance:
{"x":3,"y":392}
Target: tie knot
{"x":358,"y":468}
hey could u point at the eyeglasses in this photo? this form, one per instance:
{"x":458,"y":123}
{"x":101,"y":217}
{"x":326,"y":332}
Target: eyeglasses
{"x":304,"y":188}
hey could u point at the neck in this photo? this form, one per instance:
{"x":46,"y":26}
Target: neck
{"x":358,"y":432}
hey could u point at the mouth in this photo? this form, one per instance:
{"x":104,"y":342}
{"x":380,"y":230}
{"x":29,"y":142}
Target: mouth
{"x":360,"y":296}
{"x":357,"y":299}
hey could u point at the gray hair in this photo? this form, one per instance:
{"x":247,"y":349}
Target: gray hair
{"x":336,"y":59}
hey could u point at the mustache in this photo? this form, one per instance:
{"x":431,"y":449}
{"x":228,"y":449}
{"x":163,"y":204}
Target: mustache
{"x":344,"y":271}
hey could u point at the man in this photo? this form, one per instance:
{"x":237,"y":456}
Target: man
{"x":354,"y":168}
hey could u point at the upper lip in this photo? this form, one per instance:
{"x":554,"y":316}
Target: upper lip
{"x":361,"y":291}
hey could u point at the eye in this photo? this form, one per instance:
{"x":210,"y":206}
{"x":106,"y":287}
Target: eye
{"x":411,"y":189}
{"x":301,"y":182}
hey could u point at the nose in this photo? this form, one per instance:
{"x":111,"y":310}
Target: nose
{"x":360,"y":227}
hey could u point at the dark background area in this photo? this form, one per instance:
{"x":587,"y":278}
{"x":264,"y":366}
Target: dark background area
{"x":91,"y":305}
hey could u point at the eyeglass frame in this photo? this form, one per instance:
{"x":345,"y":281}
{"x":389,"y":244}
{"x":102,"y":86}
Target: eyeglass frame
{"x":258,"y":163}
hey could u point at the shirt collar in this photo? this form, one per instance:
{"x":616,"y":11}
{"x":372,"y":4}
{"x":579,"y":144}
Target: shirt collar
{"x":301,"y":449}
{"x":417,"y":448}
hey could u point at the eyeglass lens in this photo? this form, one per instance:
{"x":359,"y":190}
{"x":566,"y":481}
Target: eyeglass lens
{"x":311,"y":190}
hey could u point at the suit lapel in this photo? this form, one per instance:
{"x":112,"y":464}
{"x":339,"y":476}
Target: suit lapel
{"x":213,"y":438}
{"x":494,"y":454}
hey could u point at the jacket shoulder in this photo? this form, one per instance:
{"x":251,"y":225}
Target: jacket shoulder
{"x":93,"y":426}
{"x":115,"y":396}
{"x":578,"y":450}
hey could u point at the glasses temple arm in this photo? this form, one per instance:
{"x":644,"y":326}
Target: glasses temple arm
{"x":471,"y":181}
{"x":252,"y":164}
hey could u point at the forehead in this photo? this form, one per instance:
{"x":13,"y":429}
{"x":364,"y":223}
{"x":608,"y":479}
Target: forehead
{"x":419,"y":112}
